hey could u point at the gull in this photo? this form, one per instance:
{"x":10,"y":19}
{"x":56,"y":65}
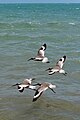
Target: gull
{"x":58,"y":67}
{"x":25,"y":84}
{"x":43,"y":87}
{"x":41,"y":55}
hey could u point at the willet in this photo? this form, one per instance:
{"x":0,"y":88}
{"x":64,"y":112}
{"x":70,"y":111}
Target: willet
{"x":25,"y":84}
{"x":58,"y":67}
{"x":42,"y":87}
{"x":41,"y":55}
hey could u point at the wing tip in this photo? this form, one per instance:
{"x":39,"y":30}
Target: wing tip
{"x":45,"y":45}
{"x":34,"y":99}
{"x":64,"y":56}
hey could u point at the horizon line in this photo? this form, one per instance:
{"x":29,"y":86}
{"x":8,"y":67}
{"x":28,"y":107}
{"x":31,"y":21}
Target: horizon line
{"x":38,"y":2}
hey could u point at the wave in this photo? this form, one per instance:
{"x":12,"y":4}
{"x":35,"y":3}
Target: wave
{"x":19,"y":24}
{"x":71,"y":23}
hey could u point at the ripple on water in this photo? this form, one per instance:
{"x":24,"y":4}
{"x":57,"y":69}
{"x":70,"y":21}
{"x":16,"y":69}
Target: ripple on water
{"x":19,"y":107}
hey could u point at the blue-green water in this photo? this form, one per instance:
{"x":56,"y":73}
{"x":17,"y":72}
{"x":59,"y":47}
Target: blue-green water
{"x":23,"y":29}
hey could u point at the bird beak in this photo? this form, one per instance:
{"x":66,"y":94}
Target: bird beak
{"x":15,"y":84}
{"x":48,"y":69}
{"x":31,"y":59}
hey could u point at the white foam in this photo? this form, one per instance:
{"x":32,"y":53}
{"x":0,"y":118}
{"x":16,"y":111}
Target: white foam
{"x":72,"y":23}
{"x":77,"y":8}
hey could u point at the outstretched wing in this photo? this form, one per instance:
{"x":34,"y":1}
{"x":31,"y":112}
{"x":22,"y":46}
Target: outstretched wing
{"x":20,"y":88}
{"x":53,"y":70}
{"x":37,"y":95}
{"x":43,"y":47}
{"x":61,"y":61}
{"x":39,"y":91}
{"x":40,"y":54}
{"x":41,"y":51}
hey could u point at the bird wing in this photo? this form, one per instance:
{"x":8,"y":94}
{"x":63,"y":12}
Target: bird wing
{"x":43,"y":47}
{"x":61,"y":61}
{"x":37,"y":95}
{"x":41,"y":51}
{"x":39,"y":92}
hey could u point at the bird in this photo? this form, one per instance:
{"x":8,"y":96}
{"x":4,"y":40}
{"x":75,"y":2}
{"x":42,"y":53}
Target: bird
{"x":42,"y":87}
{"x":41,"y":55}
{"x":25,"y":84}
{"x":58,"y":67}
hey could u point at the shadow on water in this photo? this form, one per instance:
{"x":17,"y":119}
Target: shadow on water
{"x":18,"y":107}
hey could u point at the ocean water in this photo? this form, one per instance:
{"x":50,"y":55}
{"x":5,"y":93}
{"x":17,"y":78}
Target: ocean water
{"x":23,"y":29}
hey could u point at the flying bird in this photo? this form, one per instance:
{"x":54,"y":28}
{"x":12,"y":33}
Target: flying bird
{"x":58,"y":67}
{"x":41,"y":55}
{"x":43,"y":87}
{"x":25,"y":84}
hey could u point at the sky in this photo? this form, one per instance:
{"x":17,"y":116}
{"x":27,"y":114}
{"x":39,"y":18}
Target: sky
{"x":39,"y":1}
